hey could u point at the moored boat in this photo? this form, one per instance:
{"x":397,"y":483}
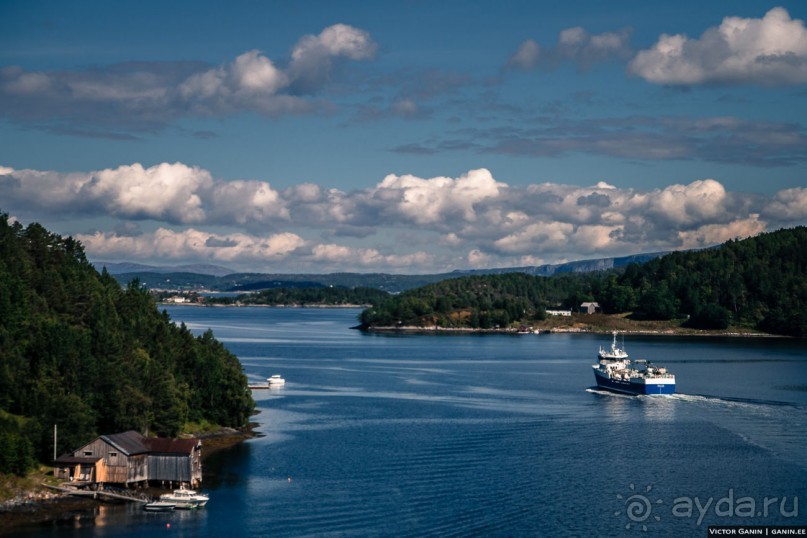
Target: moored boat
{"x":159,"y":506}
{"x":614,"y":372}
{"x":185,"y":499}
{"x":276,"y":381}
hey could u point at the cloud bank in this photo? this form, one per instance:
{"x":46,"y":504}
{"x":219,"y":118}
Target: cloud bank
{"x":720,"y":139}
{"x":403,"y":223}
{"x":146,"y":96}
{"x":767,"y":51}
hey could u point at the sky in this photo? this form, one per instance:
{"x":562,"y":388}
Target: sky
{"x":401,"y":136}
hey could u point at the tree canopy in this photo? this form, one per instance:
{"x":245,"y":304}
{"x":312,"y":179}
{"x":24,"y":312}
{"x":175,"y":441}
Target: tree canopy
{"x":317,"y":295}
{"x":80,"y":351}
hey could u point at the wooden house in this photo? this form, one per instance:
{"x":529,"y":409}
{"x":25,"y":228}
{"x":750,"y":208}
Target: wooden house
{"x":175,"y":460}
{"x":129,"y":458}
{"x":589,"y":308}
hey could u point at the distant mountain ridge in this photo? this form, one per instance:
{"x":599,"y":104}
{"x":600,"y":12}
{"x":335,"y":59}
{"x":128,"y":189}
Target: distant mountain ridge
{"x":117,"y":268}
{"x":581,"y":266}
{"x":216,"y":278}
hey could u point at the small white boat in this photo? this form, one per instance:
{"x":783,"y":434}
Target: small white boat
{"x":159,"y":506}
{"x":185,"y":499}
{"x":276,"y":381}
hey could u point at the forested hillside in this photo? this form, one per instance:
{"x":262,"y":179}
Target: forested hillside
{"x":79,"y":351}
{"x":483,"y":302}
{"x":759,"y":282}
{"x":317,"y":295}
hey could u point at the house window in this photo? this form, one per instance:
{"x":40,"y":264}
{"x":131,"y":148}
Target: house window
{"x":88,"y":452}
{"x":113,"y":454}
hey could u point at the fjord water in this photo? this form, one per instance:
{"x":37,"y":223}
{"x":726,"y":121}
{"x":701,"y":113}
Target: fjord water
{"x":491,"y":435}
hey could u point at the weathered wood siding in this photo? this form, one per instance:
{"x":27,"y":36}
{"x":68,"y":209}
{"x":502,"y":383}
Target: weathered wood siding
{"x":170,"y":467}
{"x":197,"y":464}
{"x":177,"y":467}
{"x":116,"y":467}
{"x":138,"y":468}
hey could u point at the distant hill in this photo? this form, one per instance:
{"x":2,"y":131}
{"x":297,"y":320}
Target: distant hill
{"x":117,"y":268}
{"x":582,"y":266}
{"x":172,"y":278}
{"x":169,"y":281}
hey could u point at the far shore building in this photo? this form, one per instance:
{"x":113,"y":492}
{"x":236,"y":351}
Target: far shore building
{"x":559,"y":312}
{"x":589,"y":308}
{"x":131,"y":459}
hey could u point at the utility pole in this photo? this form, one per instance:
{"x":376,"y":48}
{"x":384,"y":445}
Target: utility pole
{"x":54,"y":442}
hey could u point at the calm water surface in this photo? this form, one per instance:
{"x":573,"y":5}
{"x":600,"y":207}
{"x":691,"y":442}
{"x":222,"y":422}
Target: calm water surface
{"x":490,"y":435}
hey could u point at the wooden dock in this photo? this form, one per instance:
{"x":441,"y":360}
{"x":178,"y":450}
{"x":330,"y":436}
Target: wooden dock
{"x":120,"y":495}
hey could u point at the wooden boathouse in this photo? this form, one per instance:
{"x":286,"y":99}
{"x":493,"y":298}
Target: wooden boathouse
{"x":129,"y":458}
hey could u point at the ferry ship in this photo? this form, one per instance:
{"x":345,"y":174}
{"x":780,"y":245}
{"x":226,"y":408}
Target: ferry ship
{"x":614,"y":372}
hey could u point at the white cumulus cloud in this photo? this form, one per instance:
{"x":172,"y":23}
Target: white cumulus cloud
{"x":313,"y":57}
{"x":434,"y":200}
{"x":699,"y":201}
{"x":713,"y":234}
{"x":788,"y":205}
{"x":341,"y":256}
{"x":163,"y":192}
{"x":770,"y":51}
{"x":192,"y":244}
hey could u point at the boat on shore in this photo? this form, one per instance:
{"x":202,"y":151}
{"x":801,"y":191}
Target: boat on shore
{"x":185,"y":499}
{"x":614,"y":372}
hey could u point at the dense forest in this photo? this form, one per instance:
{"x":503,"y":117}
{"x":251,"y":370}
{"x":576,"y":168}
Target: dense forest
{"x":759,"y":282}
{"x":311,"y":296}
{"x":80,"y":351}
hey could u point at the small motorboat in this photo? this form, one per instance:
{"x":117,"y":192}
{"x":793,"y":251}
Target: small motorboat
{"x":185,"y":499}
{"x":159,"y":506}
{"x":276,"y":381}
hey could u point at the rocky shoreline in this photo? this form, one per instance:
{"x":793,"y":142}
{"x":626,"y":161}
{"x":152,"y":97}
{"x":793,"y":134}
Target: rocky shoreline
{"x":583,"y":324}
{"x":570,"y":330}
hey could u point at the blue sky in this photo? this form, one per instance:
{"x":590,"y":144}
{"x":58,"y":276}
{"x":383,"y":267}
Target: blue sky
{"x":404,"y":136}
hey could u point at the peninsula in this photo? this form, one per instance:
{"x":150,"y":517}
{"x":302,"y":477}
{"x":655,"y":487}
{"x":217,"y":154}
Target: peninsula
{"x":754,"y":286}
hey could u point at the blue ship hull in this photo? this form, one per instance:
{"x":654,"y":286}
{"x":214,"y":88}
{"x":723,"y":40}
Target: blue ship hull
{"x":626,"y":387}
